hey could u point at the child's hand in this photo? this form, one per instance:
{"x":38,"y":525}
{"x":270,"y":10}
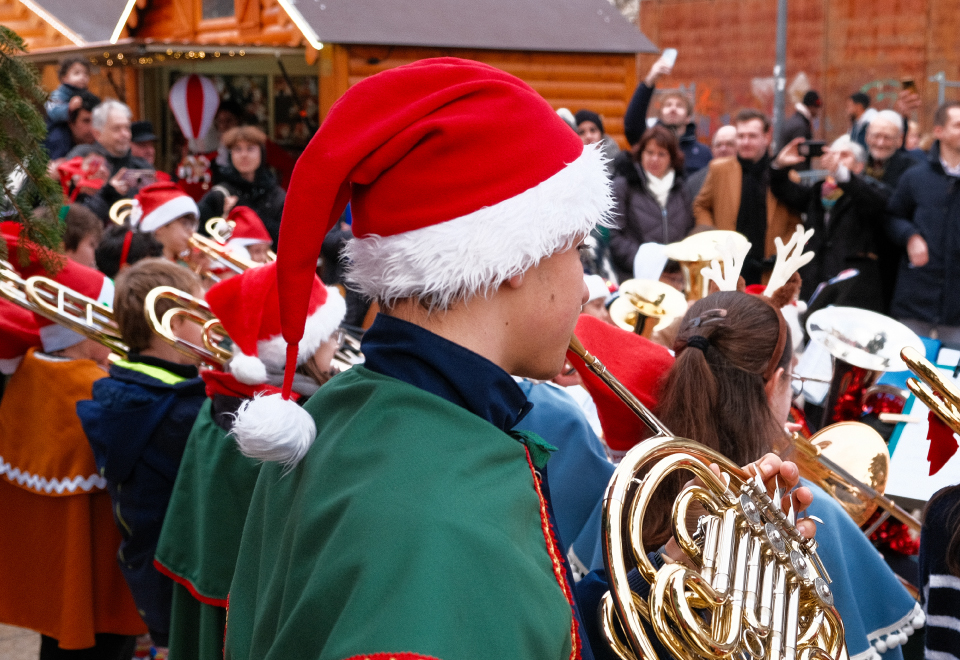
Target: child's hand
{"x":75,"y":103}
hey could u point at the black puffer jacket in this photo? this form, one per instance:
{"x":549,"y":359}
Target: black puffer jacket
{"x":263,"y":195}
{"x":640,"y":218}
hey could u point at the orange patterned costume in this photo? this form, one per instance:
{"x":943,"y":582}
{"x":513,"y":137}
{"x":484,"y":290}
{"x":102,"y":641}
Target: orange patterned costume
{"x":58,"y":546}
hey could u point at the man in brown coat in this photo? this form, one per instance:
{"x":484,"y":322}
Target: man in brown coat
{"x":736,"y":196}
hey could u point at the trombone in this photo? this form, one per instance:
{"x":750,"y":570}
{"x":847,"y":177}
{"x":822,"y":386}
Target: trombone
{"x":214,"y":349}
{"x":939,"y":395}
{"x":219,"y":256}
{"x":60,"y":304}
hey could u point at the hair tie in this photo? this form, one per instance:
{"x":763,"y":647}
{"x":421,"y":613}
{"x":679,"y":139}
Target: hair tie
{"x":125,"y":252}
{"x":699,"y":342}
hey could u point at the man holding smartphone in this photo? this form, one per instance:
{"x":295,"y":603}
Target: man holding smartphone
{"x":801,"y":124}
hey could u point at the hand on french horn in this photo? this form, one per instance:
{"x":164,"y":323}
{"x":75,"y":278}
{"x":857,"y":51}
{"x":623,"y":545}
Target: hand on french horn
{"x":770,"y":467}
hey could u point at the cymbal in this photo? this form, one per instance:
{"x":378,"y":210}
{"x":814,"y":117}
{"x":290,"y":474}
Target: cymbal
{"x":647,"y":297}
{"x":703,"y":245}
{"x":862,"y":338}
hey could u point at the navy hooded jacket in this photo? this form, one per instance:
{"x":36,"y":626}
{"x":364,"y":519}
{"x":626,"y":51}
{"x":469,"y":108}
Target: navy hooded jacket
{"x":137,"y":424}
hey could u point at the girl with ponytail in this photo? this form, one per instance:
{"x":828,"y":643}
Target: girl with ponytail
{"x":730,"y":389}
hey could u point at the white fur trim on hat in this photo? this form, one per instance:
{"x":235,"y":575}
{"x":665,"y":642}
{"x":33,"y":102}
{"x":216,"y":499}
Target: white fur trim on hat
{"x":9,"y":365}
{"x":269,"y":428}
{"x":272,"y":352}
{"x":596,"y":287}
{"x":168,"y":212}
{"x":475,"y":253}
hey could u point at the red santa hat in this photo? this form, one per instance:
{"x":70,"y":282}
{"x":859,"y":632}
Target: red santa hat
{"x":159,"y":204}
{"x":248,"y":228}
{"x":636,"y":362}
{"x":446,"y":204}
{"x":18,"y":334}
{"x":248,"y":306}
{"x":85,"y":281}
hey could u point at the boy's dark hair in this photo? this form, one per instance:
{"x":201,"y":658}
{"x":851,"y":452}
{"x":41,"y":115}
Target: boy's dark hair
{"x":749,"y":114}
{"x":942,"y":115}
{"x":861,"y":98}
{"x":133,"y":285}
{"x":89,"y":101}
{"x":142,"y":246}
{"x":80,"y":222}
{"x":68,"y":62}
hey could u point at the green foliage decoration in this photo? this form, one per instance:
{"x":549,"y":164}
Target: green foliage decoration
{"x":27,"y":194}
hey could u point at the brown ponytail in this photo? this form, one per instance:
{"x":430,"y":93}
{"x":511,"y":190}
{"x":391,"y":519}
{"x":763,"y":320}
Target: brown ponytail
{"x":714,"y":393}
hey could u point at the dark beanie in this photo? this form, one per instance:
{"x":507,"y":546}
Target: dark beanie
{"x":587,"y":115}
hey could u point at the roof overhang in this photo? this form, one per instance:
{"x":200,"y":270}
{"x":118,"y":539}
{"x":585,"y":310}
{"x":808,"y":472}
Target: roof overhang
{"x":135,"y":50}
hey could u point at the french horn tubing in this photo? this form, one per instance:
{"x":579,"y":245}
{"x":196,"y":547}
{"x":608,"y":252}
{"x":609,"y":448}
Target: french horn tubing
{"x":63,"y":306}
{"x":221,"y":230}
{"x":763,"y":587}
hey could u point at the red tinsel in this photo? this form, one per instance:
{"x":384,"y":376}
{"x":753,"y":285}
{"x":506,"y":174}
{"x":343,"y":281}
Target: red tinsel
{"x":894,"y":535}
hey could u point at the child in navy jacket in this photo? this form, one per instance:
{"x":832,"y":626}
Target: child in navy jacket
{"x":138,"y":423}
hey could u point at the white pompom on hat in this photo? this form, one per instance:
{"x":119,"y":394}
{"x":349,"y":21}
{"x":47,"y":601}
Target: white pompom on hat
{"x":446,"y":204}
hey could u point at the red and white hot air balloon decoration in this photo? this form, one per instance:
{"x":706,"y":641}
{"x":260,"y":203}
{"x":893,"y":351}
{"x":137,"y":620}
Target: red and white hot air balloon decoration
{"x":194,"y":102}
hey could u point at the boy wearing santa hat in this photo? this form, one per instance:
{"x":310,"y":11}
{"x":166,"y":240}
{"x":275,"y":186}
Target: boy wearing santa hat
{"x":201,"y":532}
{"x":169,"y":213}
{"x":249,"y":238}
{"x":400,"y":515}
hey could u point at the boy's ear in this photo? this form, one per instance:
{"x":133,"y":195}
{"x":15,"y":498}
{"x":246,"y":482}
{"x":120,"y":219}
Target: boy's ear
{"x":515,"y":282}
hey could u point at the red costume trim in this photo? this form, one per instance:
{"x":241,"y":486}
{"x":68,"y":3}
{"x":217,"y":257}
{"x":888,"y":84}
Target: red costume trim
{"x":220,"y":382}
{"x":216,"y":602}
{"x":391,"y":656}
{"x":556,"y":558}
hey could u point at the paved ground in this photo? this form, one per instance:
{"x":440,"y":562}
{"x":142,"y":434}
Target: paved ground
{"x":18,"y":644}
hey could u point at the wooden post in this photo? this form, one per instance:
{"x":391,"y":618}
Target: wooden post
{"x":334,"y":76}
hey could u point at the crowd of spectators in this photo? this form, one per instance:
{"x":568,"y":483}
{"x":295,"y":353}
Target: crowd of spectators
{"x":883,"y":199}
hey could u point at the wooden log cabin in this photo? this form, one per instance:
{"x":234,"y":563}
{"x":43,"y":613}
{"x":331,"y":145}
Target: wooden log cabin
{"x":262,"y":54}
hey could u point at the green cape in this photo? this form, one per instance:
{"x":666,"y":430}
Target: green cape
{"x":412,"y":525}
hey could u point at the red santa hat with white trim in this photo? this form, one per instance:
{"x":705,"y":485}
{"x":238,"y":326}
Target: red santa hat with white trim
{"x":87,"y":282}
{"x":248,"y":229}
{"x":160,"y":204}
{"x":248,"y":307}
{"x":446,"y":204}
{"x":18,"y":334}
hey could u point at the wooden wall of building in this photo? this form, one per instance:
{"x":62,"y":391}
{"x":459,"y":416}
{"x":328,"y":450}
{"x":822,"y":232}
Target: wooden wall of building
{"x":256,"y":22}
{"x":36,"y":32}
{"x":602,"y":83}
{"x":727,"y":48}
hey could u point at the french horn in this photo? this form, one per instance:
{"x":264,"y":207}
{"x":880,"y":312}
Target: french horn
{"x":758,"y":589}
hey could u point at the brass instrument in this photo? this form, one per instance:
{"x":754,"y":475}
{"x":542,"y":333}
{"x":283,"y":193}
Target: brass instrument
{"x":849,"y":461}
{"x":64,"y":306}
{"x":644,"y":306}
{"x":863,"y":345}
{"x":694,"y":253}
{"x":764,"y":586}
{"x":221,"y":229}
{"x":192,"y":310}
{"x":214,"y":350}
{"x":939,"y":395}
{"x":220,"y":257}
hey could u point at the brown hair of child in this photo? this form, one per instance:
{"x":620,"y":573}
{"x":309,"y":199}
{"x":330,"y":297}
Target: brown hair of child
{"x":80,"y":222}
{"x":133,"y":284}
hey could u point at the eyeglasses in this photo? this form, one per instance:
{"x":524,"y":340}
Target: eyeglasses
{"x":799,"y":382}
{"x":339,"y":337}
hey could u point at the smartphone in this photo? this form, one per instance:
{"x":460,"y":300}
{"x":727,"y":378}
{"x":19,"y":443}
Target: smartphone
{"x":669,"y":56}
{"x":909,"y":85}
{"x":811,"y":148}
{"x":140,"y":178}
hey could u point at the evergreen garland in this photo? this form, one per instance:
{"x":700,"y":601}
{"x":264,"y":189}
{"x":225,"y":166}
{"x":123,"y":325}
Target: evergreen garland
{"x":27,"y":194}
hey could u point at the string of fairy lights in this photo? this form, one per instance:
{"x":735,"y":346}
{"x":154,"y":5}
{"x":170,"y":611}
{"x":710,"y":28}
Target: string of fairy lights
{"x":122,"y":59}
